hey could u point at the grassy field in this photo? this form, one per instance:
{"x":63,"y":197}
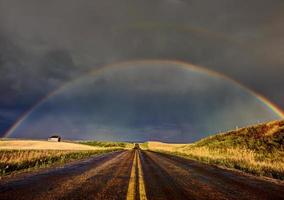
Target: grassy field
{"x":44,"y":145}
{"x":258,"y":149}
{"x":25,"y":155}
{"x":107,"y":144}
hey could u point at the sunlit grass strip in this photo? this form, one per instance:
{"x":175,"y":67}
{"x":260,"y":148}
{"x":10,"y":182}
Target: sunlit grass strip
{"x":244,"y":160}
{"x":19,"y":160}
{"x":105,"y":143}
{"x":257,"y":149}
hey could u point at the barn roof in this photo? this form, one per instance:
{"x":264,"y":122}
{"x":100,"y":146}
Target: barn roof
{"x":54,"y":136}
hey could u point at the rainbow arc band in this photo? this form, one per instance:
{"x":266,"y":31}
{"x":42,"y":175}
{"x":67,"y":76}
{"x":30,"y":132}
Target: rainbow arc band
{"x":131,"y":63}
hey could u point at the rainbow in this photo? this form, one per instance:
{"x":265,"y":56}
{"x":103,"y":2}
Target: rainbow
{"x":125,"y":64}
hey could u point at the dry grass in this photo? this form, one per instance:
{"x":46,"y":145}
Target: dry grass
{"x":258,"y":149}
{"x":19,"y":160}
{"x":164,"y":146}
{"x":125,"y":145}
{"x":19,"y":155}
{"x":40,"y":145}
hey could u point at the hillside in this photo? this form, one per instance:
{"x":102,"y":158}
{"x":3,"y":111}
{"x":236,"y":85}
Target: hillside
{"x":265,"y":138}
{"x":257,"y":149}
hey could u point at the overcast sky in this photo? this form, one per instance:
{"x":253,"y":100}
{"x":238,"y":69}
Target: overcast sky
{"x":44,"y":44}
{"x":142,"y":102}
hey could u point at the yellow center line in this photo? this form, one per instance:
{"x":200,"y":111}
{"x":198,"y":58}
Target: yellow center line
{"x":132,"y":181}
{"x":131,"y":193}
{"x":142,"y":191}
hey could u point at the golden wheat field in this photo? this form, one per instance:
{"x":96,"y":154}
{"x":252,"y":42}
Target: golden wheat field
{"x":18,"y":155}
{"x":43,"y":145}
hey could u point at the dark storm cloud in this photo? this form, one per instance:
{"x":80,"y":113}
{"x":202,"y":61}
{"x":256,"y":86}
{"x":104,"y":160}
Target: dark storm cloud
{"x":169,"y":103}
{"x":28,"y":76}
{"x":46,"y":43}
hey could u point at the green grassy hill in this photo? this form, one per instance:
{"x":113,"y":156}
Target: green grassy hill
{"x":107,"y":144}
{"x":256,"y":149}
{"x":264,"y":138}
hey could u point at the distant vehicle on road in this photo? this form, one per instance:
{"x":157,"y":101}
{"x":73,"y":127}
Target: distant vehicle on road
{"x":136,"y":146}
{"x":54,"y":138}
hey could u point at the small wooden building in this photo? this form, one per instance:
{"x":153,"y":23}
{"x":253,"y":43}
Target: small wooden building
{"x":54,"y":138}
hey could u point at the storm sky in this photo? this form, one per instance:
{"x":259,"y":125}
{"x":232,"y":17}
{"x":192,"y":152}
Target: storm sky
{"x":142,"y":101}
{"x":44,"y":44}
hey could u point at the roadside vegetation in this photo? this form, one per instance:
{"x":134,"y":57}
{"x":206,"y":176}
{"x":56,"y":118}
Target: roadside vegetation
{"x":17,"y":144}
{"x":26,"y":155}
{"x":26,"y":160}
{"x":107,"y":144}
{"x":258,"y":149}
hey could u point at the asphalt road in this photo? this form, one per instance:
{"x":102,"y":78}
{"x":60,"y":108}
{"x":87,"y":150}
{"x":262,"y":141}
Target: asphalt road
{"x":136,"y":174}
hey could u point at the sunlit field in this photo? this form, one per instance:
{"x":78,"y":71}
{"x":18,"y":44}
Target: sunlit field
{"x":20,"y":155}
{"x":258,"y":149}
{"x":37,"y":145}
{"x":108,"y":144}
